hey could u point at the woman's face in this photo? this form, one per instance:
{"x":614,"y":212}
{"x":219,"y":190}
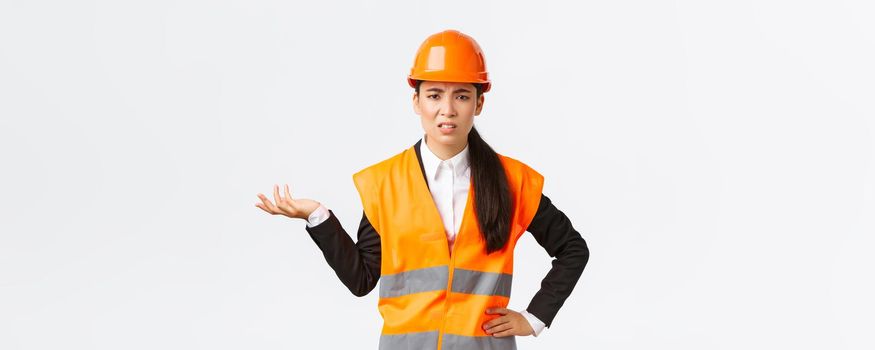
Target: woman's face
{"x":449,"y":103}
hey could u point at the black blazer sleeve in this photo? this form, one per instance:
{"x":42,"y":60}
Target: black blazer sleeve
{"x":553,"y":231}
{"x":356,"y":264}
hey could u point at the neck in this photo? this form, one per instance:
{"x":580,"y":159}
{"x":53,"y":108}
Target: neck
{"x":442,"y":151}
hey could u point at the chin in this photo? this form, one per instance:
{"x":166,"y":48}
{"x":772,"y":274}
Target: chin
{"x":444,"y":138}
{"x":449,"y":139}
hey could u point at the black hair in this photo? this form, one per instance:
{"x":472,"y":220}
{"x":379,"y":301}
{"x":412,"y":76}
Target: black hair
{"x":492,"y":198}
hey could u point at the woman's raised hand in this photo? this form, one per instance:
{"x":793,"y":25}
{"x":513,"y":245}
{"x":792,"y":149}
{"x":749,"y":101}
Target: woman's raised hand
{"x":293,"y":208}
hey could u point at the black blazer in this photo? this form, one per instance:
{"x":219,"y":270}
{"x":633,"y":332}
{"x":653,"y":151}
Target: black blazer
{"x":358,"y":264}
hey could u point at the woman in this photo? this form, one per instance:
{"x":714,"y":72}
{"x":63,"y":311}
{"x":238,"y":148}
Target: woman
{"x":441,"y":220}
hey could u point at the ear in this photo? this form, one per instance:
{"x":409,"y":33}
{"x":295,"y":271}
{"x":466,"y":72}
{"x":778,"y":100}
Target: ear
{"x":416,"y":104}
{"x":479,"y":105}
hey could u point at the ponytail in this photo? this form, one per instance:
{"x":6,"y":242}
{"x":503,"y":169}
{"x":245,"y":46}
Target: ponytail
{"x":492,"y":202}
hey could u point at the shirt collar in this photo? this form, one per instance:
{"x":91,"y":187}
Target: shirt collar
{"x":431,"y":162}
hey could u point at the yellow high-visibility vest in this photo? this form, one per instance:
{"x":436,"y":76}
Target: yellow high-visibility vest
{"x":431,"y":299}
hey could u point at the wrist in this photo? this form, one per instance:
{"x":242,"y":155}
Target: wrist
{"x":317,"y":216}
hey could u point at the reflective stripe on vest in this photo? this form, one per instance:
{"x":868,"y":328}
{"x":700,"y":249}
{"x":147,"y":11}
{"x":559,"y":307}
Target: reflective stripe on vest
{"x":417,"y":340}
{"x":461,"y":342}
{"x":436,"y":278}
{"x":430,"y":299}
{"x":480,"y":282}
{"x":414,"y":281}
{"x":428,"y":341}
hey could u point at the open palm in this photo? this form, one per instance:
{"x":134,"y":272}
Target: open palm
{"x":286,"y":205}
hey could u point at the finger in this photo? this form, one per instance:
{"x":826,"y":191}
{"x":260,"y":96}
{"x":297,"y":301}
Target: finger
{"x":276,"y":195}
{"x":497,"y":310}
{"x":260,"y":205}
{"x":288,"y":203}
{"x":506,"y":333}
{"x":495,"y":321}
{"x":267,"y":204}
{"x":499,"y":328}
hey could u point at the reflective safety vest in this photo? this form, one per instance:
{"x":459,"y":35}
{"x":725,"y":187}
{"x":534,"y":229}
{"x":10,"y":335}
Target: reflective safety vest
{"x":431,"y":299}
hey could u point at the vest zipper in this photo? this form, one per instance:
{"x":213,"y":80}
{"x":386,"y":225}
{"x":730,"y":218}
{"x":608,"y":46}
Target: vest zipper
{"x":452,"y":268}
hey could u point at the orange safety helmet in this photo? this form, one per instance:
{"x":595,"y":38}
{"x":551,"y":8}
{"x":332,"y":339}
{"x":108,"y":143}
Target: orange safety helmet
{"x":449,"y":56}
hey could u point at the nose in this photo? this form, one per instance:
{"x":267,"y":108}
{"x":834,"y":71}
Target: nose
{"x":447,"y":109}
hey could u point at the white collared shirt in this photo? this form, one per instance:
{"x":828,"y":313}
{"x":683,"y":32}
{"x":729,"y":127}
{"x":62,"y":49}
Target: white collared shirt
{"x":449,"y":182}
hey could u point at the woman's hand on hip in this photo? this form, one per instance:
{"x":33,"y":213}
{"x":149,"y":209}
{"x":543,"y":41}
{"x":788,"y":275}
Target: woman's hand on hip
{"x":509,"y":323}
{"x":286,"y":205}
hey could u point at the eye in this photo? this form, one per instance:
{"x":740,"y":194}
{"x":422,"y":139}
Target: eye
{"x":432,"y":96}
{"x":463,"y":97}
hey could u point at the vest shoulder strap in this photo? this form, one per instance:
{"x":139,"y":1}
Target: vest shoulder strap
{"x":368,"y":182}
{"x":527,"y":184}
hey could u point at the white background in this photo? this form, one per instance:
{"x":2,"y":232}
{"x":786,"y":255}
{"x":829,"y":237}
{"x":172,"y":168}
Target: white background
{"x":717,"y":156}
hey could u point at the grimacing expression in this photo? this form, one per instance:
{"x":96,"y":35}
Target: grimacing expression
{"x":454,"y":104}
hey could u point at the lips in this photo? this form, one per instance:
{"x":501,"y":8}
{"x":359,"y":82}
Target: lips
{"x":446,"y":124}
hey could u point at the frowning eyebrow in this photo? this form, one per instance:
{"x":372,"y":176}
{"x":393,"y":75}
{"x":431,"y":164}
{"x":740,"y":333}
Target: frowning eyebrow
{"x":458,"y":91}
